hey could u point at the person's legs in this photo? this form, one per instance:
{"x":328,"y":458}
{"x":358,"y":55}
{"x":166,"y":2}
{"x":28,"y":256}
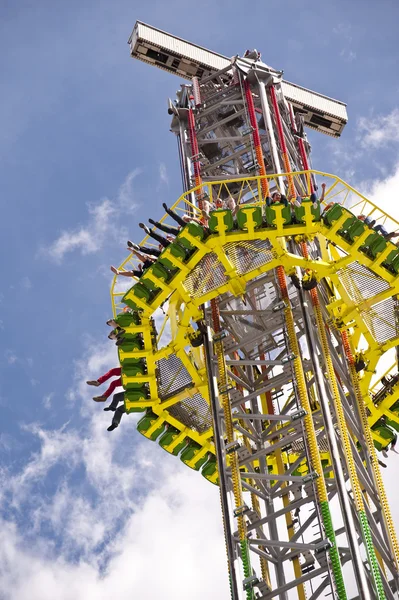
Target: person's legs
{"x":163,"y":241}
{"x":120,"y":411}
{"x":164,"y":227}
{"x":116,"y":372}
{"x":380,"y":229}
{"x":114,"y":384}
{"x":144,"y":249}
{"x":174,"y":216}
{"x":119,"y":397}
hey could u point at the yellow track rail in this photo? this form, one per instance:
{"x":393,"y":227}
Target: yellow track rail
{"x":186,"y":293}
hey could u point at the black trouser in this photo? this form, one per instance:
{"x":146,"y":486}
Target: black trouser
{"x":167,"y":228}
{"x":181,"y":222}
{"x":119,"y":397}
{"x":153,"y":251}
{"x":120,"y":411}
{"x":163,"y":241}
{"x":176,"y":217}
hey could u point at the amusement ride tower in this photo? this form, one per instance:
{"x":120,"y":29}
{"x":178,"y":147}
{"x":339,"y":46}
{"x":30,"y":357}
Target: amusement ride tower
{"x":277,"y":311}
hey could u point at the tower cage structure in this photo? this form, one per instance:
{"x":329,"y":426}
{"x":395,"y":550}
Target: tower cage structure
{"x":276,"y":315}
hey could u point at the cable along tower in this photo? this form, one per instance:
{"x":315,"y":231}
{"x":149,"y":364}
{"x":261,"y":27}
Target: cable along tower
{"x":276,"y":320}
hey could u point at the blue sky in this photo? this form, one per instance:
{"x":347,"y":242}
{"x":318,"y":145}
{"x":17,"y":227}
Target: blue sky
{"x":85,"y":154}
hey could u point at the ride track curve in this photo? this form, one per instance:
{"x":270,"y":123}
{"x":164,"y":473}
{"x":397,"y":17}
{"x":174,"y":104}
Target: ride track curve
{"x":346,"y":263}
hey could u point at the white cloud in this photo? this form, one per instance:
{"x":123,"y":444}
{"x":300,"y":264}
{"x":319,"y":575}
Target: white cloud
{"x":383,"y":192}
{"x":47,"y":400}
{"x":11,"y":357}
{"x":138,"y":524}
{"x":163,"y":174}
{"x":378,"y":131}
{"x":157,"y":553}
{"x":103,"y":224}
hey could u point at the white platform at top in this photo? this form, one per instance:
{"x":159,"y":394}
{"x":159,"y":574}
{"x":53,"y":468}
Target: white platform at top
{"x":187,"y":60}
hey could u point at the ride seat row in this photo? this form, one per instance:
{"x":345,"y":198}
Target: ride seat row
{"x":132,"y":367}
{"x":353,"y":227}
{"x":248,"y":218}
{"x":154,"y":428}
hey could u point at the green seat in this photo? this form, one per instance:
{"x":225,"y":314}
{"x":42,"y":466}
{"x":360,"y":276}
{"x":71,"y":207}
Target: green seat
{"x":158,"y":271}
{"x":136,"y":396}
{"x":395,"y":264}
{"x":392,"y":423}
{"x":383,"y":431}
{"x":131,"y":362}
{"x":144,"y":424}
{"x":392,"y":260}
{"x":210,"y":468}
{"x":374,"y":244}
{"x":316,"y":212}
{"x":193,"y":229}
{"x":221,"y":221}
{"x":271,"y":214}
{"x":249,"y":215}
{"x":174,"y":249}
{"x":395,"y":410}
{"x":177,"y":251}
{"x":299,"y":211}
{"x":352,"y":228}
{"x":168,"y":437}
{"x":126,"y":319}
{"x":141,"y":291}
{"x":196,"y":230}
{"x":332,"y":214}
{"x":134,"y":367}
{"x":131,"y":343}
{"x":190,"y":451}
{"x":127,"y":299}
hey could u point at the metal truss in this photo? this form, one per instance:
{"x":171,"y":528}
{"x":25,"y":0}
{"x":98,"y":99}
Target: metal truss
{"x":287,"y":543}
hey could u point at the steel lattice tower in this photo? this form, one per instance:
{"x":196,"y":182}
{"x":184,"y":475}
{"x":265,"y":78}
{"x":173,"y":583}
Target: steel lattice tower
{"x":277,"y":320}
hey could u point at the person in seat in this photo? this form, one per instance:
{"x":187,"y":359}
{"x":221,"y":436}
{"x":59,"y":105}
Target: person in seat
{"x":218,"y":204}
{"x":379,"y":228}
{"x":152,"y":251}
{"x":232,"y":205}
{"x":313,"y":197}
{"x":276,"y":198}
{"x":147,"y":261}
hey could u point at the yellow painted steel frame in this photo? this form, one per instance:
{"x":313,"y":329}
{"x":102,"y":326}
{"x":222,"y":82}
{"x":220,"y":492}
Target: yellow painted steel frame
{"x":347,"y":308}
